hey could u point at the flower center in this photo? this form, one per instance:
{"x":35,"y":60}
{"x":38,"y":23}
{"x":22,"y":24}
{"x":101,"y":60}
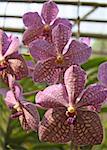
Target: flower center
{"x":17,"y":107}
{"x":1,"y":58}
{"x":59,"y":59}
{"x":3,"y":64}
{"x":47,"y":27}
{"x":71,"y":109}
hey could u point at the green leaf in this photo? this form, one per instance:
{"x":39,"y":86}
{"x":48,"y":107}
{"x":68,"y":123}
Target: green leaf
{"x":94,"y":62}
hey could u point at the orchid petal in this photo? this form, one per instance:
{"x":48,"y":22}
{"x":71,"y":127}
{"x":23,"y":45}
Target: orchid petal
{"x":54,"y":127}
{"x":32,"y":18}
{"x":1,"y":35}
{"x":13,"y":47}
{"x":15,"y":115}
{"x":41,"y":49}
{"x":49,"y":11}
{"x":5,"y":42}
{"x":31,"y":67}
{"x":11,"y":81}
{"x":102,"y":73}
{"x":30,"y":118}
{"x":10,"y":99}
{"x":53,"y":96}
{"x":60,"y":36}
{"x":14,"y":86}
{"x":96,"y":108}
{"x":32,"y":33}
{"x":74,"y":80}
{"x":94,"y":95}
{"x":46,"y":71}
{"x":18,"y":66}
{"x":85,"y":40}
{"x":77,"y":53}
{"x":87,"y":129}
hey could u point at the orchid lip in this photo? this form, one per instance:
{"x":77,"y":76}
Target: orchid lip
{"x":71,"y":114}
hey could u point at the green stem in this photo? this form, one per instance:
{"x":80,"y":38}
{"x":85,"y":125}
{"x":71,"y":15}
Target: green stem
{"x":71,"y":146}
{"x":76,"y":147}
{"x":8,"y":130}
{"x":32,"y":92}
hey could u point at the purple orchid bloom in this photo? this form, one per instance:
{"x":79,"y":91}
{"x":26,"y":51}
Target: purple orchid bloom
{"x":68,"y":117}
{"x":25,"y":111}
{"x":41,"y":26}
{"x":53,"y":59}
{"x":10,"y":61}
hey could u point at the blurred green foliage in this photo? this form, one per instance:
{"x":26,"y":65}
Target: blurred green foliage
{"x":12,"y":137}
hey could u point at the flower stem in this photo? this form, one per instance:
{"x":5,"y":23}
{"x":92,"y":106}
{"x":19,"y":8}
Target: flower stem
{"x":8,"y":130}
{"x":76,"y":147}
{"x":30,"y":93}
{"x":73,"y":147}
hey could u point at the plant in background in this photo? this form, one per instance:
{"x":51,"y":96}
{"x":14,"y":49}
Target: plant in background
{"x":72,"y":113}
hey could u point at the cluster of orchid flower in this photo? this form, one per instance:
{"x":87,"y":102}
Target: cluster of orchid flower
{"x":72,"y":110}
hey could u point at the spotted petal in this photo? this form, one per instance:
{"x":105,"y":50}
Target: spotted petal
{"x":32,"y":33}
{"x":18,"y":66}
{"x":87,"y":129}
{"x":46,"y":71}
{"x":54,"y":127}
{"x":60,"y":36}
{"x":30,"y":118}
{"x":53,"y":96}
{"x":49,"y":11}
{"x":5,"y":42}
{"x":32,"y":18}
{"x":94,"y":95}
{"x":78,"y":52}
{"x":41,"y":49}
{"x":74,"y":80}
{"x":1,"y":35}
{"x":102,"y":73}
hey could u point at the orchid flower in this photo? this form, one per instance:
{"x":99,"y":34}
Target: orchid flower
{"x":68,"y":117}
{"x":22,"y":109}
{"x":52,"y":59}
{"x":11,"y":62}
{"x":41,"y":26}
